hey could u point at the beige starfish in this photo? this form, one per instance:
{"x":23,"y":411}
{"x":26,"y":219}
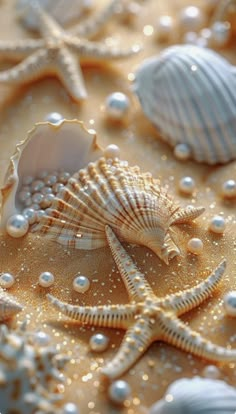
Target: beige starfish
{"x":58,"y":52}
{"x":149,"y":318}
{"x":8,"y":306}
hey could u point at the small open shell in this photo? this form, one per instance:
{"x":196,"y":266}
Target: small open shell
{"x":67,"y":146}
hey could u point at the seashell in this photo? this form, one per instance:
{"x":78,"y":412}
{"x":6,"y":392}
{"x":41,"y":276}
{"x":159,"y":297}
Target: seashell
{"x":197,"y":396}
{"x":189,"y":93}
{"x":66,"y":146}
{"x":111,"y":192}
{"x":8,"y":306}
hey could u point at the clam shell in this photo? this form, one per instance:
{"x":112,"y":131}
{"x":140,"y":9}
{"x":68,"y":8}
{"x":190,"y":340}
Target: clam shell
{"x":189,"y":93}
{"x":111,"y":192}
{"x":197,"y":396}
{"x":68,"y":145}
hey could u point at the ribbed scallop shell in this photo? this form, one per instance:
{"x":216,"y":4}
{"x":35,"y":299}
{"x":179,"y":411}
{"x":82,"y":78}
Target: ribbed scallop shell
{"x":111,"y":192}
{"x":197,"y":396}
{"x":189,"y":93}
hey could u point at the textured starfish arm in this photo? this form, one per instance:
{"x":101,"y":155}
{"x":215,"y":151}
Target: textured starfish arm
{"x":48,"y":26}
{"x":175,"y":332}
{"x":185,"y":215}
{"x":137,"y":286}
{"x":136,"y":341}
{"x":20,"y":49}
{"x":111,"y":316}
{"x":190,"y":298}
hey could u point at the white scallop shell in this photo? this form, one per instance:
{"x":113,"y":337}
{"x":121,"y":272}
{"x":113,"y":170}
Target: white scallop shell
{"x":68,"y":146}
{"x":197,"y":396}
{"x":189,"y":93}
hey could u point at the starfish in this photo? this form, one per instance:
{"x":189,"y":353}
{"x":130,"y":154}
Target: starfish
{"x":8,"y":306}
{"x":148,"y":318}
{"x":56,"y":52}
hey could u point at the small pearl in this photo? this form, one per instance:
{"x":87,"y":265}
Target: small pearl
{"x":36,"y":186}
{"x":37,"y":198}
{"x":229,"y":189}
{"x":112,"y":151}
{"x":28,"y":202}
{"x":187,"y":185}
{"x":17,"y":225}
{"x":6,"y":280}
{"x":117,"y":105}
{"x":39,"y":214}
{"x":46,"y":279}
{"x":64,"y":177}
{"x":70,"y":408}
{"x":50,"y":180}
{"x":192,"y":18}
{"x":190,"y":38}
{"x":195,"y":246}
{"x":119,"y":391}
{"x":98,"y":342}
{"x":54,"y":118}
{"x":57,"y":187}
{"x":41,"y":338}
{"x":29,"y":214}
{"x":24,"y":195}
{"x":46,"y":190}
{"x":81,"y":284}
{"x":230,"y":303}
{"x":221,"y":33}
{"x":182,"y":152}
{"x":211,"y":371}
{"x":34,"y":206}
{"x":47,"y":201}
{"x":217,"y":224}
{"x":164,"y":28}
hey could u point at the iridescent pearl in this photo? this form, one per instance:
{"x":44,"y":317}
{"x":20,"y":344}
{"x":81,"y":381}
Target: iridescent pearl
{"x":29,"y":214}
{"x":37,"y":185}
{"x":46,"y":279}
{"x":217,"y":224}
{"x":119,"y":391}
{"x":50,"y":180}
{"x":37,"y":198}
{"x":164,"y":28}
{"x":117,"y":105}
{"x":54,"y":118}
{"x":46,"y":190}
{"x":41,"y":338}
{"x":182,"y":152}
{"x":195,"y":246}
{"x":70,"y":408}
{"x":98,"y":342}
{"x":229,"y":189}
{"x":47,"y":201}
{"x":211,"y":371}
{"x":187,"y":185}
{"x":17,"y":225}
{"x":192,"y":18}
{"x":81,"y":284}
{"x":112,"y":151}
{"x":23,"y":196}
{"x":230,"y":303}
{"x":6,"y":280}
{"x":64,"y":177}
{"x":221,"y":33}
{"x":39,"y":214}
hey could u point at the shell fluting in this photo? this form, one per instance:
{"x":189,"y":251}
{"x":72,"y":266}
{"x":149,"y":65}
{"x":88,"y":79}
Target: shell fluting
{"x":111,"y":192}
{"x":9,"y":306}
{"x":189,"y":93}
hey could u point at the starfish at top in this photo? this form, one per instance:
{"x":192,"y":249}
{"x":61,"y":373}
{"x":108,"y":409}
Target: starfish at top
{"x":58,"y":51}
{"x":148,"y":318}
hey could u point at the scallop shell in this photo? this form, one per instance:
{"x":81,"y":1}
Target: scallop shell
{"x":110,"y":192}
{"x":68,"y":145}
{"x":197,"y":396}
{"x":189,"y":93}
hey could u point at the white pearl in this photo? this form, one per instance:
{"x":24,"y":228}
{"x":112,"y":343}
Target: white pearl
{"x":37,"y":198}
{"x":112,"y":151}
{"x":195,"y":246}
{"x":182,"y":152}
{"x":119,"y":391}
{"x":164,"y":28}
{"x":29,"y":214}
{"x":46,"y":279}
{"x":7,"y":280}
{"x":24,"y":195}
{"x":221,"y":33}
{"x":17,"y":225}
{"x":117,"y":105}
{"x":39,"y":214}
{"x":81,"y":284}
{"x":36,"y":186}
{"x":64,"y":177}
{"x":41,"y":338}
{"x":50,"y":180}
{"x":57,"y":187}
{"x":34,"y":206}
{"x":54,"y":118}
{"x":211,"y":371}
{"x":98,"y":342}
{"x":187,"y":185}
{"x":230,"y":303}
{"x":47,"y":201}
{"x":70,"y":408}
{"x":229,"y":189}
{"x":217,"y":224}
{"x":192,"y":18}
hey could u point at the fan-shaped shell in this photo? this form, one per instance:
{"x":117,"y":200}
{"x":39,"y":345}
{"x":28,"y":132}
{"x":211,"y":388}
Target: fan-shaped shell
{"x":197,"y":396}
{"x":66,"y":146}
{"x":111,"y":192}
{"x":189,"y":93}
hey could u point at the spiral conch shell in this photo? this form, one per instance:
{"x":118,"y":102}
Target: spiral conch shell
{"x":65,"y":146}
{"x":189,"y":93}
{"x":111,"y":192}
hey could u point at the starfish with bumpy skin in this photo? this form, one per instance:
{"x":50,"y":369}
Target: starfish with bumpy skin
{"x":58,"y":51}
{"x":148,"y":318}
{"x":8,"y":306}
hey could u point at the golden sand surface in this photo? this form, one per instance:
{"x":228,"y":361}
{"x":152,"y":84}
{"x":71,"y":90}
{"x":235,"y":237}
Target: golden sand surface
{"x":26,"y":258}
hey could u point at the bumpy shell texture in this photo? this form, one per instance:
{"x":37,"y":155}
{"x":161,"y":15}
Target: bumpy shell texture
{"x":111,"y":192}
{"x":189,"y":93}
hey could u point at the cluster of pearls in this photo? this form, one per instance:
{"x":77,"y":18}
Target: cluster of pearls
{"x":98,"y":342}
{"x":7,"y":280}
{"x":230,"y":303}
{"x":117,"y":106}
{"x":217,"y":224}
{"x":81,"y":284}
{"x":46,"y":279}
{"x":195,"y":246}
{"x":119,"y":391}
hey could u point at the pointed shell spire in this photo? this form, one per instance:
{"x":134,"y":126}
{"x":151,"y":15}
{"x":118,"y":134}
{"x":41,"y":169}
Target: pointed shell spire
{"x":9,"y":306}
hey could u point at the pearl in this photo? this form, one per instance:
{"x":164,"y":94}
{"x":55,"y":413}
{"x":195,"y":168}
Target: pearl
{"x":64,"y":177}
{"x":29,"y":214}
{"x":57,"y":187}
{"x":46,"y":279}
{"x":119,"y":391}
{"x":24,"y":195}
{"x":37,"y":198}
{"x":221,"y":33}
{"x":70,"y":408}
{"x":39,"y":214}
{"x":50,"y":180}
{"x":195,"y":246}
{"x":6,"y":280}
{"x":229,"y":189}
{"x":17,"y":225}
{"x":164,"y":28}
{"x":47,"y":201}
{"x":81,"y":284}
{"x":117,"y":105}
{"x":211,"y":371}
{"x":192,"y":18}
{"x":41,"y":338}
{"x":46,"y":190}
{"x":217,"y":224}
{"x":36,"y":186}
{"x":54,"y":118}
{"x":98,"y":342}
{"x":230,"y":303}
{"x":182,"y":152}
{"x":187,"y":185}
{"x":112,"y":151}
